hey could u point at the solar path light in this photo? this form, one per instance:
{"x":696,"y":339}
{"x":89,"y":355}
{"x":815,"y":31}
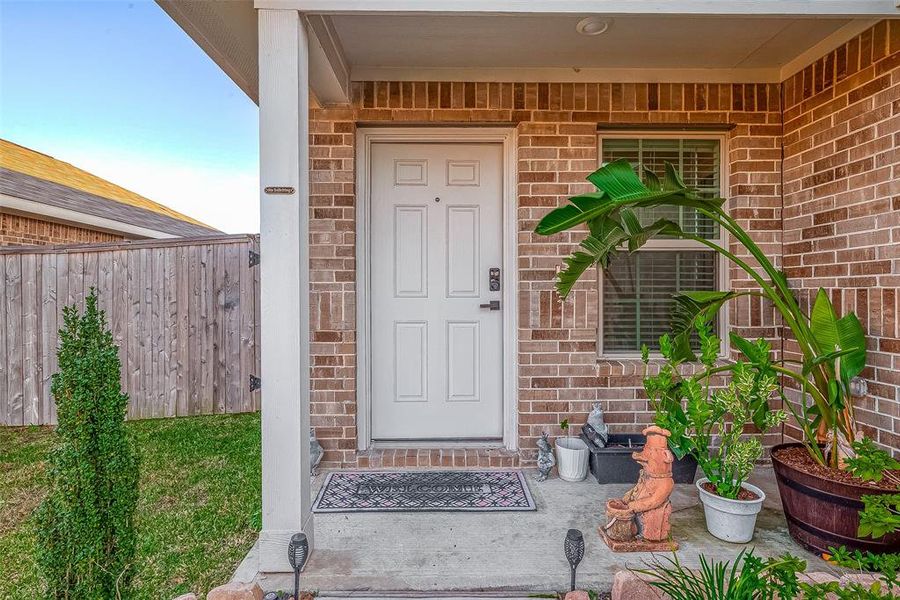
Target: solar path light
{"x":298,"y":552}
{"x":574,"y":547}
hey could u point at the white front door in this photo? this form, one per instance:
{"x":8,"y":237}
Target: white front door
{"x":436,"y":232}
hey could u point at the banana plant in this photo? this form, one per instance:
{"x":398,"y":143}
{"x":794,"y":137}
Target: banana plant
{"x":833,"y":349}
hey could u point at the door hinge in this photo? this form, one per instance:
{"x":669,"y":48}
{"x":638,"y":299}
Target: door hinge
{"x":254,"y":258}
{"x":255,"y":383}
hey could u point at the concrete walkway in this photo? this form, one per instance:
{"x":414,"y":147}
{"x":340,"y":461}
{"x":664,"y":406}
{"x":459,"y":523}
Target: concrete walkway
{"x":375,"y":553}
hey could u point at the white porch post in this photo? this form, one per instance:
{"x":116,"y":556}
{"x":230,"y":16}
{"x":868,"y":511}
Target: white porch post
{"x":284,"y":240}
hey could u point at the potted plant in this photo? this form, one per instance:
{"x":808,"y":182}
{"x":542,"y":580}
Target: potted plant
{"x":713,"y":426}
{"x":571,"y":456}
{"x":821,"y":498}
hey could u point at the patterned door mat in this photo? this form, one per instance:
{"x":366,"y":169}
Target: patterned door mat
{"x":424,"y":491}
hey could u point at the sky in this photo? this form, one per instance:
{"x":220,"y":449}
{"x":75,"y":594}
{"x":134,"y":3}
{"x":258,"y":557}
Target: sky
{"x":118,"y":89}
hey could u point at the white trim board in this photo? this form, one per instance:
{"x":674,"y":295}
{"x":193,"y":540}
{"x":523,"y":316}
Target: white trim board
{"x":814,"y":53}
{"x":565,"y":74}
{"x":799,"y":8}
{"x":365,"y":138}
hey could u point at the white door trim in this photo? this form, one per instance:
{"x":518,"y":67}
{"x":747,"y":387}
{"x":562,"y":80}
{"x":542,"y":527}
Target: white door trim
{"x":365,"y":137}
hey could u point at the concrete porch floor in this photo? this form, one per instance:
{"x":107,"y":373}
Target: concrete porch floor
{"x":374,"y":553}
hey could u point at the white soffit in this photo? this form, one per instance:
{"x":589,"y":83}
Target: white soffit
{"x":227,"y":32}
{"x":763,"y":41}
{"x":547,"y":47}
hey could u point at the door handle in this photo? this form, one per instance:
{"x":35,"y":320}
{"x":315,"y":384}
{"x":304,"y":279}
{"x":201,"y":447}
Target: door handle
{"x":492,"y":305}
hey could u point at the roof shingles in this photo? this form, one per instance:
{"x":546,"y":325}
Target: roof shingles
{"x":40,"y":166}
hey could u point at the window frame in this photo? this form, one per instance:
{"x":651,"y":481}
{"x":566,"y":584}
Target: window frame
{"x":658,"y":245}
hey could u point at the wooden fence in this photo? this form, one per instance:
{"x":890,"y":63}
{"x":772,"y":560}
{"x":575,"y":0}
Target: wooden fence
{"x":183,"y":312}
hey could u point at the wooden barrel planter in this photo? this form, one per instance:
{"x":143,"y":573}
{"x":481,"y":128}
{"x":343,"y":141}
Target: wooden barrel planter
{"x":822,"y":513}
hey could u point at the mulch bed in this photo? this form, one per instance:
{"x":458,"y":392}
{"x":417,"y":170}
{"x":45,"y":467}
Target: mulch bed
{"x":744,"y":494}
{"x":798,"y":457}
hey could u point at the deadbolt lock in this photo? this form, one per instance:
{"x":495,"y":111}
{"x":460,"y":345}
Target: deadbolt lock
{"x":494,"y":279}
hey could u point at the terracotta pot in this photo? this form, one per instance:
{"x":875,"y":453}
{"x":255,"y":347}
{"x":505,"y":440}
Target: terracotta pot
{"x":822,"y":513}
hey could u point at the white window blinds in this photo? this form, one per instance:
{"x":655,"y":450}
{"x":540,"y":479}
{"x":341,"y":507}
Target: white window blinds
{"x":637,"y":288}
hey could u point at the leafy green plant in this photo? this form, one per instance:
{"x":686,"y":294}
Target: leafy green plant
{"x":697,"y":415}
{"x":834,"y":590}
{"x":86,"y":531}
{"x":887,"y":564}
{"x":748,"y":578}
{"x":880,"y":515}
{"x":832,"y":348}
{"x":752,"y":578}
{"x":871,"y":463}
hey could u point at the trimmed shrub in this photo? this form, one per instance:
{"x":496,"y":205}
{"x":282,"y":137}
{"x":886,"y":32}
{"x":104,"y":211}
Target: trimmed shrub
{"x":86,"y":538}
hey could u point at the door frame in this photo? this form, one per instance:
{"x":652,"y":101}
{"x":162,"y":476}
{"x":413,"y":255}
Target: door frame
{"x":365,"y":138}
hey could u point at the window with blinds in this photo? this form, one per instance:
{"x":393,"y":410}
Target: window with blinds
{"x":637,"y":288}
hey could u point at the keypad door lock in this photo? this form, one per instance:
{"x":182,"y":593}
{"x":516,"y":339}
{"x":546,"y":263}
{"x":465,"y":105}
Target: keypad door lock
{"x":494,"y":279}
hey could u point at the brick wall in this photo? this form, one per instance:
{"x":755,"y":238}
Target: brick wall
{"x":842,"y":202}
{"x":557,"y":136}
{"x":16,"y":230}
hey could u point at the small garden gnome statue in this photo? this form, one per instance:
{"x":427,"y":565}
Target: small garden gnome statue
{"x":598,"y":432}
{"x":639,"y":521}
{"x":315,"y":450}
{"x":545,"y":460}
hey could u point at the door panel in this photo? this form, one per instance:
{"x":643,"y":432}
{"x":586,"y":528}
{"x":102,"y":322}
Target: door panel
{"x":436,"y":230}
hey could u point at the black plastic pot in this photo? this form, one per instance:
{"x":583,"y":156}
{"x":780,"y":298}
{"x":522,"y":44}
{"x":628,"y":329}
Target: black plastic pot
{"x":613,"y":464}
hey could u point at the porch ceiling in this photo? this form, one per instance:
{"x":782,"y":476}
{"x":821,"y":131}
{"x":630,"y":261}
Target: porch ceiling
{"x":374,"y":44}
{"x":390,"y":41}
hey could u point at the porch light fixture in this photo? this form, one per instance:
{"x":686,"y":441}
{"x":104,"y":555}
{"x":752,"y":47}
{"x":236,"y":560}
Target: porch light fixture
{"x":298,"y":552}
{"x":574,"y":547}
{"x":593,"y":25}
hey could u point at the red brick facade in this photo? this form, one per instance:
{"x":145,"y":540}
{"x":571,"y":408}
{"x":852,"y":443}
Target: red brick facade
{"x":842,"y":202}
{"x":16,"y":230}
{"x":557,"y":132}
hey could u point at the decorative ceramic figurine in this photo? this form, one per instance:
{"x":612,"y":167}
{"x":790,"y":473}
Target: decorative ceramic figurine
{"x":546,"y":461}
{"x":598,"y":431}
{"x":639,"y":521}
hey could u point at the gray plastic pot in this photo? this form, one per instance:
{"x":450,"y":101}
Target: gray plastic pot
{"x":730,"y":520}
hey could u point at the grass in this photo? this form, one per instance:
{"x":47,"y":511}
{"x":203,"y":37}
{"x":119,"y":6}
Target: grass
{"x":199,"y":510}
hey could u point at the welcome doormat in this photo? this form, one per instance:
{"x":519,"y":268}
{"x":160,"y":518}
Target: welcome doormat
{"x":424,"y":491}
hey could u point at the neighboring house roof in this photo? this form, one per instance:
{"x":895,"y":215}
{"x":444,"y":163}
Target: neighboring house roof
{"x":67,"y":192}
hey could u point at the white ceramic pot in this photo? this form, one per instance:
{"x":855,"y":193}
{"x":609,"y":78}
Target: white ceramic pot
{"x":730,"y":520}
{"x":572,"y":458}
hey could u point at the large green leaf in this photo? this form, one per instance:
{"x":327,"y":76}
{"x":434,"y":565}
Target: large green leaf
{"x":689,"y":305}
{"x":833,"y":334}
{"x":630,"y":222}
{"x":618,"y":180}
{"x":582,"y":209}
{"x":757,"y":353}
{"x":852,"y":336}
{"x":620,"y":186}
{"x":644,"y":234}
{"x":672,"y":180}
{"x":598,"y":249}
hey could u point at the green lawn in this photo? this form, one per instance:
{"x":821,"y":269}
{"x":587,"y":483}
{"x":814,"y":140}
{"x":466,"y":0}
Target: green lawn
{"x":198,"y":514}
